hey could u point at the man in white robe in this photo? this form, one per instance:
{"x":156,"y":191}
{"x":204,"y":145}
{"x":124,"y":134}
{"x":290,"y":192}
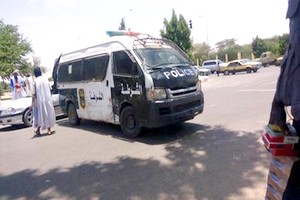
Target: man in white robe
{"x":29,"y":84}
{"x":42,"y":105}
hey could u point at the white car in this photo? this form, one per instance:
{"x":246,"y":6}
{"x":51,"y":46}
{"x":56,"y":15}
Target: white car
{"x":212,"y":65}
{"x":18,"y":112}
{"x":202,"y":71}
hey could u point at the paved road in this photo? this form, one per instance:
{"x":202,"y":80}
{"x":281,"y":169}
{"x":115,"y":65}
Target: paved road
{"x":218,"y":155}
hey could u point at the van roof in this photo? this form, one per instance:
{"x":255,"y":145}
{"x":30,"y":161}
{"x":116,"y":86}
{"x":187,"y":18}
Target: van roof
{"x":110,"y":44}
{"x":115,"y":43}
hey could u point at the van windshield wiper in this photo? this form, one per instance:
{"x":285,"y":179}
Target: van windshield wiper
{"x":167,"y":65}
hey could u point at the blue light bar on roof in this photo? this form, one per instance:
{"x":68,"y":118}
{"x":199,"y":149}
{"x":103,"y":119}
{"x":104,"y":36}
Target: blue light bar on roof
{"x":117,"y":33}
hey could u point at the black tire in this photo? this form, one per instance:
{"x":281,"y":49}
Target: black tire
{"x":72,"y":114}
{"x":28,"y":118}
{"x":226,"y":72}
{"x":266,"y":64}
{"x":248,"y":70}
{"x":129,"y":125}
{"x":254,"y":70}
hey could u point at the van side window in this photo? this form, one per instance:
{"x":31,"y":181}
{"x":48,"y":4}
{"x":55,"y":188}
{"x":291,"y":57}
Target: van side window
{"x":69,"y":72}
{"x":123,"y":64}
{"x":95,"y":68}
{"x":62,"y":73}
{"x":76,"y":71}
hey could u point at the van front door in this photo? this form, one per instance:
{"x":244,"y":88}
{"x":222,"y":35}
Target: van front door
{"x":128,"y":83}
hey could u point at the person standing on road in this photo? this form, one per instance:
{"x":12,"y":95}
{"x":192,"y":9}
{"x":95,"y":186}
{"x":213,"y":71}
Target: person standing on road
{"x":218,"y":68}
{"x":29,"y":84}
{"x":288,"y":93}
{"x":42,"y":105}
{"x":17,"y":86}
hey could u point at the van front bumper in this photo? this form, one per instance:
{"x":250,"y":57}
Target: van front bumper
{"x":174,"y":111}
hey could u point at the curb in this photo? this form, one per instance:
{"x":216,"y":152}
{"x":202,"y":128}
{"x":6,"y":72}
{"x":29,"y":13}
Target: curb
{"x":5,"y":96}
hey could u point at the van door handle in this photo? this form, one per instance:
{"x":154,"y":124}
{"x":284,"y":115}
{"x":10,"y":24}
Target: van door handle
{"x":106,"y":83}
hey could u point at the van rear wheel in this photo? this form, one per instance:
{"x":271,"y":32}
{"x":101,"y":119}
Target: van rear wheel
{"x":129,"y":124}
{"x":72,"y":114}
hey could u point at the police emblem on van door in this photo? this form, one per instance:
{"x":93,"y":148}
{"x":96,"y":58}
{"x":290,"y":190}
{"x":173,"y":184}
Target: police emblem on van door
{"x":126,"y":89}
{"x":81,"y":98}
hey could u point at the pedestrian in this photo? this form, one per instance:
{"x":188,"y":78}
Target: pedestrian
{"x":29,"y":84}
{"x":17,"y":86}
{"x":288,"y":93}
{"x":218,"y":69}
{"x":42,"y":105}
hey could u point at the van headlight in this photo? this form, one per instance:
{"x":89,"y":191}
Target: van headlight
{"x":156,"y":94}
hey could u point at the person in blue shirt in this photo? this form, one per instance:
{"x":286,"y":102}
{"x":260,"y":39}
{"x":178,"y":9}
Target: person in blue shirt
{"x":17,"y":86}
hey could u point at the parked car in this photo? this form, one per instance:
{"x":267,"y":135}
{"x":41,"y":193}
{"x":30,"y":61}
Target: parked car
{"x":202,"y":71}
{"x":212,"y":65}
{"x":239,"y":66}
{"x":18,"y":112}
{"x":266,"y":58}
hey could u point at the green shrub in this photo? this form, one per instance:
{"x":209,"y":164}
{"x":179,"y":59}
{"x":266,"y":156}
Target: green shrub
{"x":4,"y":87}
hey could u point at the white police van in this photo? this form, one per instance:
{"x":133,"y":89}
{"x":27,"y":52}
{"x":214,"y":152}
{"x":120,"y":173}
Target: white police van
{"x":133,"y":80}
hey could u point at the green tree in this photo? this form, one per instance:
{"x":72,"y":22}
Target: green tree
{"x":201,"y":51}
{"x":229,"y":47}
{"x":37,"y":63}
{"x":122,"y":26}
{"x":246,"y":51}
{"x":283,"y":43}
{"x":178,"y":31}
{"x":258,"y":46}
{"x":13,"y":49}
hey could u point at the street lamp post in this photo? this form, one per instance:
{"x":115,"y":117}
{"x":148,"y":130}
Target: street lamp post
{"x":206,"y":33}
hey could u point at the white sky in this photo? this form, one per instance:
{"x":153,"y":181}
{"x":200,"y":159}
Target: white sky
{"x":59,"y":26}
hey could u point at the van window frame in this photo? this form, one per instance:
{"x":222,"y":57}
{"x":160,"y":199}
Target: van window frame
{"x":67,"y":76}
{"x":134,"y":66}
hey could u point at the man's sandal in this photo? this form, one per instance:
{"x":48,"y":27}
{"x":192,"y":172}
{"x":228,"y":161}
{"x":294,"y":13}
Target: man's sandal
{"x":37,"y":133}
{"x":51,"y":132}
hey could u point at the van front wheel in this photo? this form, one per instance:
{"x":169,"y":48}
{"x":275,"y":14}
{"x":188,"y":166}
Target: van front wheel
{"x":129,"y":125}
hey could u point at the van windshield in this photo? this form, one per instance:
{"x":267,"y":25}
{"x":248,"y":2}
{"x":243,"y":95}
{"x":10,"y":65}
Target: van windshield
{"x":162,"y":57}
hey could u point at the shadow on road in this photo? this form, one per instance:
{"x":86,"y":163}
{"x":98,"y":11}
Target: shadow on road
{"x":8,"y":128}
{"x":148,"y":136}
{"x":204,"y":163}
